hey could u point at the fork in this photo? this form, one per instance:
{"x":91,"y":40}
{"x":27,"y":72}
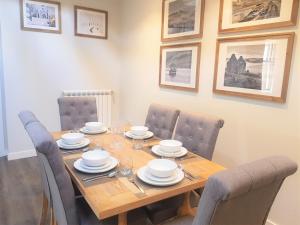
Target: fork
{"x":132,"y":180}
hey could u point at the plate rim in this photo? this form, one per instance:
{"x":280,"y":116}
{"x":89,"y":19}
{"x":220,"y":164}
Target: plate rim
{"x":83,"y":130}
{"x":129,"y":135}
{"x":176,"y":181}
{"x":113,"y":165}
{"x":155,"y":148}
{"x":174,"y":176}
{"x":85,"y":142}
{"x":105,"y":165}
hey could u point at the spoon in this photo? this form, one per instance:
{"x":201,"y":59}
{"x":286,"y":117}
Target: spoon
{"x":110,"y":175}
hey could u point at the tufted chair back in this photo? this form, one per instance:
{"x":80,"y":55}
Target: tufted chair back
{"x":198,"y":133}
{"x":161,"y":120}
{"x":56,"y":181}
{"x":76,"y":111}
{"x":243,"y":195}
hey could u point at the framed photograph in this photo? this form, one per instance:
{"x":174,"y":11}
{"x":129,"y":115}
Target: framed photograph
{"x":182,"y":19}
{"x":179,"y":66}
{"x":41,"y":16}
{"x":249,"y":15}
{"x":91,"y":23}
{"x":254,"y":67}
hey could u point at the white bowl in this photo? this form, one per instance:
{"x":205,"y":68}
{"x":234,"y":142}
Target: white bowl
{"x":139,"y":130}
{"x":95,"y":158}
{"x":94,"y":126}
{"x":170,"y":146}
{"x":162,"y":167}
{"x":72,"y":138}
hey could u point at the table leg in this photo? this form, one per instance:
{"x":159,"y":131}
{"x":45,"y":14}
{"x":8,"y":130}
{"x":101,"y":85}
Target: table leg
{"x":186,"y":208}
{"x":122,"y":219}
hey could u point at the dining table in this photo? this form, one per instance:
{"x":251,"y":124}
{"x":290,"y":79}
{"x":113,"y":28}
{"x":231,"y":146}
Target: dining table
{"x":118,"y":195}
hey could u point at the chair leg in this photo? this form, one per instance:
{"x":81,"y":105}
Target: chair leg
{"x":122,"y":219}
{"x":186,"y":209}
{"x":43,"y":220}
{"x":52,"y":220}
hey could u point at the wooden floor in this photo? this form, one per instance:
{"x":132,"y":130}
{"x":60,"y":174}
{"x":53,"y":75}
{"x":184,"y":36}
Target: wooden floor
{"x":20,"y":192}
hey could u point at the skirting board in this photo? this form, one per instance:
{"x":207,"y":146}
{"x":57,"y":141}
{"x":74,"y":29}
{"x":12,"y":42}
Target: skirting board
{"x":269,"y":222}
{"x":21,"y":154}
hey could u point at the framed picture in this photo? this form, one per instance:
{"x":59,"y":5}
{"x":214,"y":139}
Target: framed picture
{"x":41,"y":16}
{"x":91,"y":23}
{"x":248,"y":15}
{"x":254,"y":67}
{"x":182,"y":19}
{"x":179,"y":66}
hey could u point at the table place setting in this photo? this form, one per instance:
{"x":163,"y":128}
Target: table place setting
{"x":71,"y":141}
{"x":91,"y":128}
{"x":96,"y":162}
{"x":161,"y":172}
{"x":139,"y":133}
{"x":169,"y":149}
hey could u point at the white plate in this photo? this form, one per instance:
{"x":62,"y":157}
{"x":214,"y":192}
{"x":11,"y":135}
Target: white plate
{"x":155,"y":149}
{"x":148,"y":134}
{"x":83,"y":144}
{"x":107,"y":164}
{"x":78,"y":166}
{"x":142,"y":174}
{"x":161,"y":179}
{"x":86,"y":131}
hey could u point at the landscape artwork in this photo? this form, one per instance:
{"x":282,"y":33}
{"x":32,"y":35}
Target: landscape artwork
{"x":181,"y":16}
{"x":178,"y":67}
{"x":182,"y":19}
{"x":40,"y":16}
{"x":244,"y":66}
{"x":252,"y":10}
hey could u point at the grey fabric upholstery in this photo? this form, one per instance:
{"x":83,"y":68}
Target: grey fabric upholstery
{"x":243,"y":195}
{"x":76,"y":111}
{"x":161,"y":120}
{"x":56,"y":181}
{"x":198,"y":133}
{"x":46,"y":146}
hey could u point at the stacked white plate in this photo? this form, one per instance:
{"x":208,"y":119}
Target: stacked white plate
{"x":73,"y":141}
{"x":161,"y":172}
{"x":169,"y":148}
{"x":93,"y":128}
{"x":96,"y":161}
{"x":139,"y":133}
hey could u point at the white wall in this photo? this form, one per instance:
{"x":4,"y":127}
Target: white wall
{"x":3,"y":139}
{"x":38,"y":66}
{"x":253,"y":129}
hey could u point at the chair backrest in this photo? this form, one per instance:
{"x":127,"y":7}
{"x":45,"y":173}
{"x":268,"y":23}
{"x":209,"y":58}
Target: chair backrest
{"x":198,"y":133}
{"x":243,"y":195}
{"x":76,"y":111}
{"x":161,"y":120}
{"x":57,"y":183}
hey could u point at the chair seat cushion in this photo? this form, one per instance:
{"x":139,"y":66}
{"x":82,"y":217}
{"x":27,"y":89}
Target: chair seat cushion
{"x":185,"y":220}
{"x":88,"y":217}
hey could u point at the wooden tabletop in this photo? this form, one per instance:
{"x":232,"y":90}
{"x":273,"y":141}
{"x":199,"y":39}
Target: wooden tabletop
{"x":118,"y":195}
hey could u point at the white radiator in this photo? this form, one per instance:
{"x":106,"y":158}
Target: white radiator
{"x":103,"y":99}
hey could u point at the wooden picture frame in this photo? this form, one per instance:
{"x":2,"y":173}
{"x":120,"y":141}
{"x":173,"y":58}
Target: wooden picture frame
{"x":183,"y":61}
{"x":91,"y":23}
{"x":198,"y":29}
{"x":253,"y":66}
{"x":34,"y":23}
{"x":250,"y":21}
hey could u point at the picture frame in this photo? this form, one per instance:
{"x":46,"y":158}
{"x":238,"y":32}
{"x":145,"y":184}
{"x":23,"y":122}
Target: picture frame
{"x":252,"y":66}
{"x":176,"y":25}
{"x":91,"y":23}
{"x":245,"y":15}
{"x":40,"y":16}
{"x":179,"y":66}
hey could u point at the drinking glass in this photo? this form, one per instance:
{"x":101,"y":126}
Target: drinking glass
{"x":137,"y":144}
{"x":126,"y":165}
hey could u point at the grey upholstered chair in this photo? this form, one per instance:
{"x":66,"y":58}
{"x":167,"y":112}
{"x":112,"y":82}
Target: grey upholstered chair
{"x":161,"y":120}
{"x":76,"y":111}
{"x":198,"y":133}
{"x":241,"y":196}
{"x":58,"y":189}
